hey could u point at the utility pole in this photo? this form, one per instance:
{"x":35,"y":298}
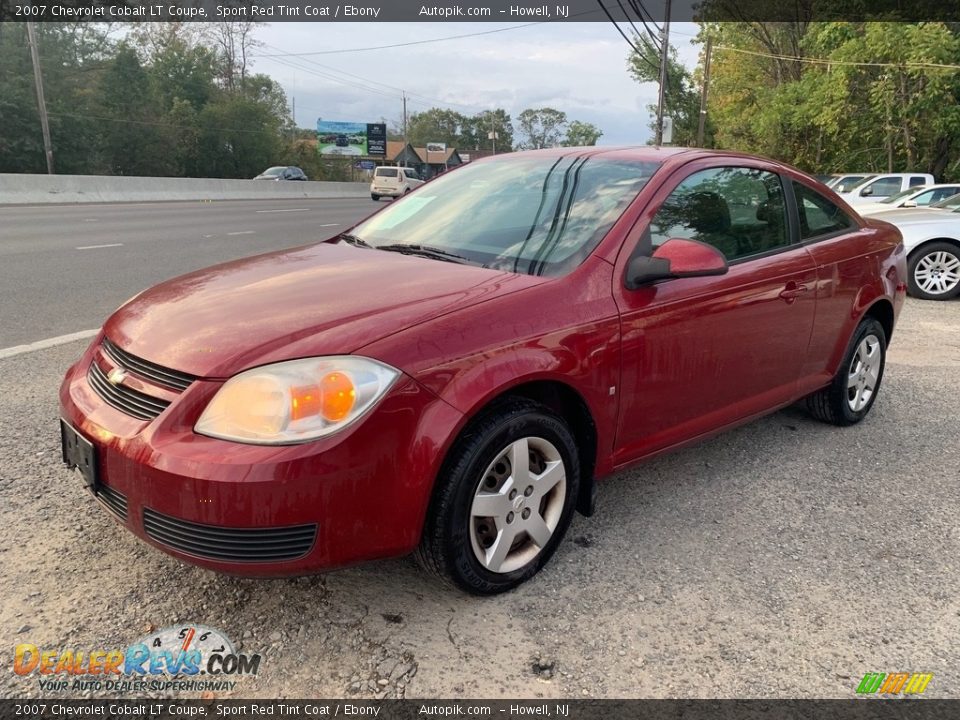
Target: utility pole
{"x":664,"y":48}
{"x":41,"y":103}
{"x":404,"y":128}
{"x":703,"y":95}
{"x":293,"y":114}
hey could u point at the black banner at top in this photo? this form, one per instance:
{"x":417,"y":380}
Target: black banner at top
{"x":479,"y":11}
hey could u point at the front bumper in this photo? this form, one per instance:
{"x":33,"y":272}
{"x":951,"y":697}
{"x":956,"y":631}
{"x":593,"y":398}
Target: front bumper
{"x":357,"y":495}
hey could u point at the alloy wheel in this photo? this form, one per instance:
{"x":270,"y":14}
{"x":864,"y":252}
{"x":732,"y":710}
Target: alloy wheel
{"x":938,"y":273}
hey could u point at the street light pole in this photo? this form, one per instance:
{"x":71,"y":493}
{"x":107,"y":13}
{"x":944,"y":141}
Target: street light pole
{"x":664,"y":49}
{"x":41,"y":102}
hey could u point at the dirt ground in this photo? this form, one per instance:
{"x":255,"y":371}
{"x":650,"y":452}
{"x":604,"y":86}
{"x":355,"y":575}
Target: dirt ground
{"x":783,"y":559}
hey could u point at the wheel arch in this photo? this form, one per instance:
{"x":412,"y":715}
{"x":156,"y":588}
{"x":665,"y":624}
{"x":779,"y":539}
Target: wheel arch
{"x":949,"y":240}
{"x":882,"y":311}
{"x":564,"y":400}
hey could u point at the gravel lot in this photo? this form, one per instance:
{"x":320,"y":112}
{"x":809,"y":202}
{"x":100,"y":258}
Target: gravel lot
{"x":783,"y":559}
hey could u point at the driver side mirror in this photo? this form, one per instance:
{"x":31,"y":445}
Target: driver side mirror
{"x":676,"y":258}
{"x":866,"y":192}
{"x":909,"y":204}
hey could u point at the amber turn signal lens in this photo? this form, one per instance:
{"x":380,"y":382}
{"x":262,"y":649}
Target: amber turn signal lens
{"x":304,"y":402}
{"x":337,"y":396}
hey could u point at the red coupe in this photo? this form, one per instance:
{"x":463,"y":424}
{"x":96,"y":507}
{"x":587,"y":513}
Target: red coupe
{"x":454,"y":374}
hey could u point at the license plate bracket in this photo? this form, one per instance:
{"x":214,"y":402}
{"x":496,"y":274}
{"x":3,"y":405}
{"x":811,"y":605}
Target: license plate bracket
{"x":79,"y":453}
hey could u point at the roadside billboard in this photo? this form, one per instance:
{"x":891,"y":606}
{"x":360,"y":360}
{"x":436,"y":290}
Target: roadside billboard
{"x":351,"y":138}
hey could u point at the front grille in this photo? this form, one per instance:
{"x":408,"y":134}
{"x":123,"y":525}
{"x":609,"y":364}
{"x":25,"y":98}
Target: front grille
{"x":233,"y":544}
{"x":123,"y":398}
{"x":114,"y":501}
{"x":173,"y":379}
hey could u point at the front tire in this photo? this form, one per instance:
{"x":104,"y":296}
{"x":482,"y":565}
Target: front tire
{"x":375,"y":198}
{"x":504,"y":499}
{"x":851,"y":394}
{"x":933,"y":272}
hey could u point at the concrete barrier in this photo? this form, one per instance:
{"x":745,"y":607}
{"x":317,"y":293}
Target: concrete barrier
{"x":17,"y":189}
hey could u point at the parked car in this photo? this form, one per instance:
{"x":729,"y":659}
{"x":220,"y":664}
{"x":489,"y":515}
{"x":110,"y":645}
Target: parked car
{"x":342,"y":141}
{"x":282,"y":172}
{"x":932,"y":240}
{"x":921,"y":196}
{"x":452,"y":375}
{"x":880,"y":187}
{"x":840,"y":183}
{"x":391,"y":181}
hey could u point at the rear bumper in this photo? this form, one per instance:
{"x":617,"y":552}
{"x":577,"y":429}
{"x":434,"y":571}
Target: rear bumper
{"x":257,"y":510}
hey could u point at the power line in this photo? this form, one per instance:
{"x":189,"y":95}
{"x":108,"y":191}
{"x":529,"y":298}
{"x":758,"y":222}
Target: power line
{"x":408,"y":44}
{"x":442,"y":39}
{"x":826,"y":61}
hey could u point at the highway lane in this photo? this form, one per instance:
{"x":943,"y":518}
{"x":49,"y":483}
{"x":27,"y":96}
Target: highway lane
{"x":64,"y":268}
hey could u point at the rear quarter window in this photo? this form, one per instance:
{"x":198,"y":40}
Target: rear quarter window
{"x":819,"y":216}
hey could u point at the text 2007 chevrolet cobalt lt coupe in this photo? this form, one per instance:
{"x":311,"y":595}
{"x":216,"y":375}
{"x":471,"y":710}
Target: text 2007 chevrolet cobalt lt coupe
{"x":452,"y":375}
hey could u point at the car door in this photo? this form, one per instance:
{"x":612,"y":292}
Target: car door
{"x":702,"y":353}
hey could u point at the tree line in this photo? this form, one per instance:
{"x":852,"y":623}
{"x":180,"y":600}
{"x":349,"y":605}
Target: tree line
{"x":181,"y":99}
{"x":824,"y":96}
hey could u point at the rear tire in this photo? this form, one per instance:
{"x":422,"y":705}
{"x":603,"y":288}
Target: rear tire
{"x":375,"y":198}
{"x":503,"y":500}
{"x":933,"y":272}
{"x":853,"y":390}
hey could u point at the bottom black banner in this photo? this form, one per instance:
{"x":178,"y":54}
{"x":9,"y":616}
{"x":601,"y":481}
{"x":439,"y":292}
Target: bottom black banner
{"x":854,"y":709}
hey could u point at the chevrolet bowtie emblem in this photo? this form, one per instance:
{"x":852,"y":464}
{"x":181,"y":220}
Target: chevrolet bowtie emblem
{"x":116,"y":376}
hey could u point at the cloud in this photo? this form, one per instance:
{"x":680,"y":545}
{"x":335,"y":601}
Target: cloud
{"x":579,"y":68}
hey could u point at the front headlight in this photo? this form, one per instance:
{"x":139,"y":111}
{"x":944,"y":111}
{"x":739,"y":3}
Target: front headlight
{"x":295,"y":401}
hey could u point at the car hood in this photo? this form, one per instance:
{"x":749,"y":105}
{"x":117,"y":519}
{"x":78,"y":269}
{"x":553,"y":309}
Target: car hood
{"x":322,"y":299}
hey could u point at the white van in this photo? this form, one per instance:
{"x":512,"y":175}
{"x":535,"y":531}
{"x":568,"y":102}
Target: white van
{"x":393,"y":182}
{"x":883,"y":185}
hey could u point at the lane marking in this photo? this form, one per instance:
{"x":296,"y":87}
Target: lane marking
{"x":97,"y":247}
{"x":285,"y":210}
{"x":243,"y":232}
{"x":329,"y":225}
{"x":44,"y":344}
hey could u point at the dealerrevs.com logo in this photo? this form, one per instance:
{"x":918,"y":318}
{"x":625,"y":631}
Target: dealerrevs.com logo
{"x":174,"y":658}
{"x":894,"y":683}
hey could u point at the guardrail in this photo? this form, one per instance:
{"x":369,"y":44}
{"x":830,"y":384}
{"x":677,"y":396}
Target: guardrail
{"x":23,"y":189}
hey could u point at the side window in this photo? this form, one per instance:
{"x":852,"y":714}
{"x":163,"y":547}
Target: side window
{"x":942,"y":194}
{"x":925,"y":198}
{"x":740,"y":211}
{"x":917,"y":180}
{"x":883,"y":187}
{"x":818,"y":216}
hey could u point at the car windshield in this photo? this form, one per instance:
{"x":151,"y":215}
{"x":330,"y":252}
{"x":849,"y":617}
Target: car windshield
{"x":274,"y":171}
{"x":538,"y":215}
{"x":951,"y":203}
{"x":901,"y":195}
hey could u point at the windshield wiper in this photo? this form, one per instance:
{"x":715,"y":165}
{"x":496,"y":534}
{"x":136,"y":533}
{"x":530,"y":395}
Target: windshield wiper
{"x":353,"y":240}
{"x":426,"y":251}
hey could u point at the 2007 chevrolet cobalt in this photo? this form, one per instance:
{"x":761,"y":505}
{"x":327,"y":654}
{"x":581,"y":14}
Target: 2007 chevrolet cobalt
{"x":452,"y":375}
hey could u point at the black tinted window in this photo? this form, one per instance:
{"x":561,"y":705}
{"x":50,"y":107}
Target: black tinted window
{"x":917,"y":180}
{"x":819,"y":216}
{"x":386,"y":172}
{"x":740,"y":211}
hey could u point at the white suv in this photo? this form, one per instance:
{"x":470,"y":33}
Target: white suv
{"x":882,"y":186}
{"x":393,"y":182}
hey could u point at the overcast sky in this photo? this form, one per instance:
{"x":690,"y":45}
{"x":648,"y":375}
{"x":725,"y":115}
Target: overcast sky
{"x":579,"y":68}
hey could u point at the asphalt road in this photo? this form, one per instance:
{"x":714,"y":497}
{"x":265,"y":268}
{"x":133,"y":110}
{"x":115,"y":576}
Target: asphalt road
{"x":64,"y":268}
{"x":783,"y":559}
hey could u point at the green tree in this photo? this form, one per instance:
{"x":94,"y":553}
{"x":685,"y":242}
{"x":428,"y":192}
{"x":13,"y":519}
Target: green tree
{"x":541,"y":128}
{"x":134,"y":143}
{"x":681,"y":94}
{"x":435,"y":125}
{"x":581,"y":133}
